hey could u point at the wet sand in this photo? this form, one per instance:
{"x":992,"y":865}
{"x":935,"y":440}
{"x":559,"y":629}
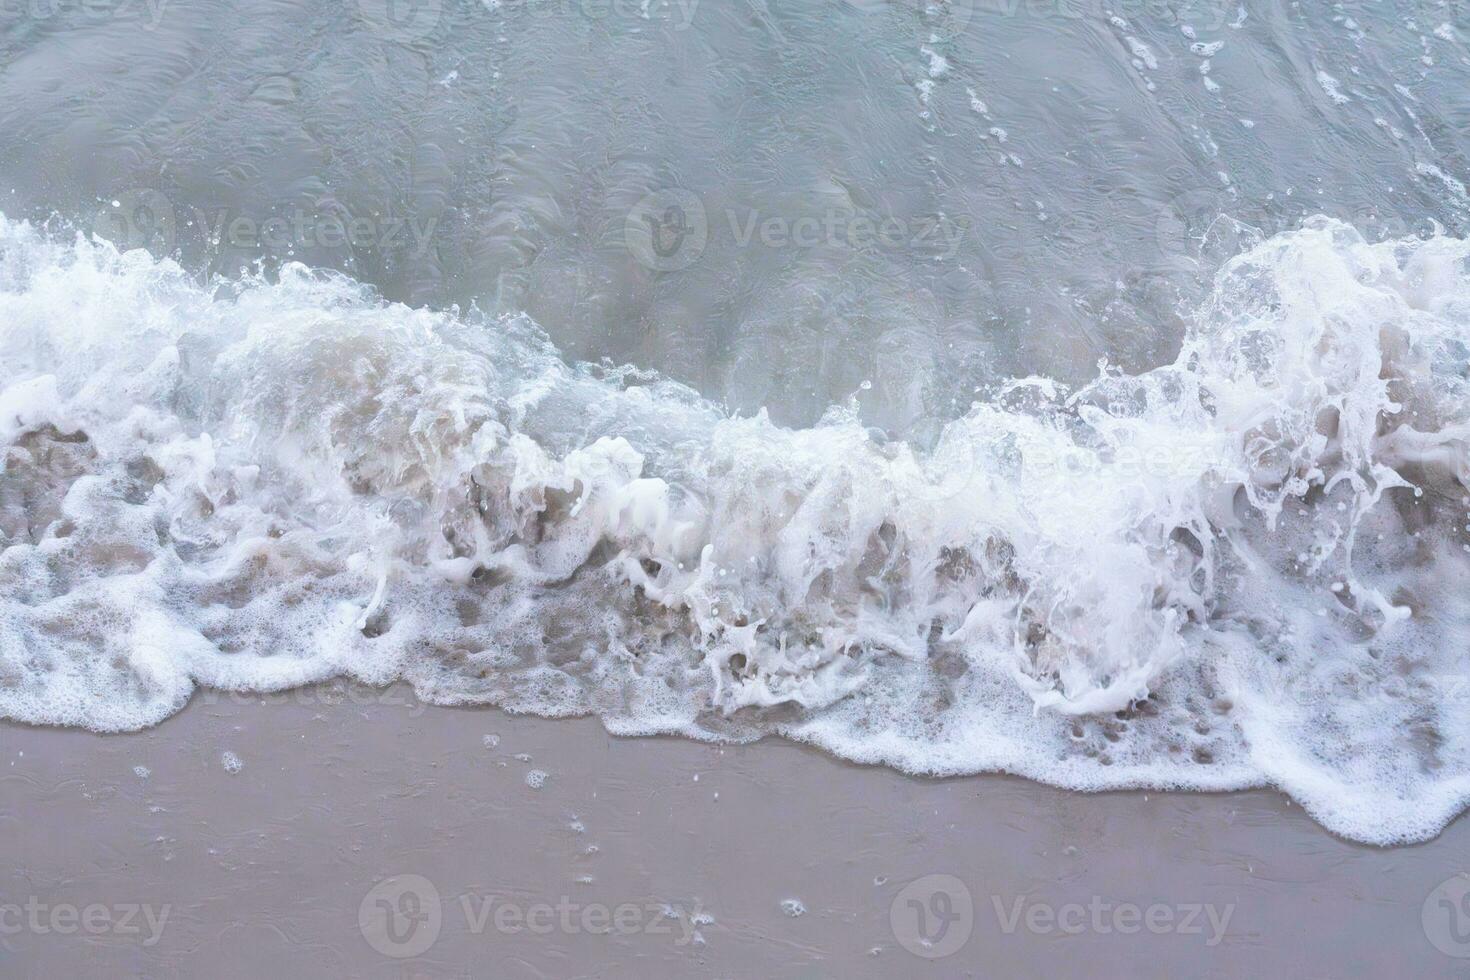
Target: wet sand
{"x":653,"y":858}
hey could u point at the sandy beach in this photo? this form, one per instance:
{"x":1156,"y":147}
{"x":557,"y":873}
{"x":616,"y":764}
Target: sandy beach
{"x":362,"y":834}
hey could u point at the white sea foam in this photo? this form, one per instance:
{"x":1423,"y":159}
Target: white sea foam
{"x":1246,"y":567}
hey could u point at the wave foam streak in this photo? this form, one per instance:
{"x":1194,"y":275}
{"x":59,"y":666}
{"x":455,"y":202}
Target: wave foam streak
{"x":1236,"y":569}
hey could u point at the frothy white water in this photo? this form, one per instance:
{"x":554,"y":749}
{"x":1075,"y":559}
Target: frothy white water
{"x":1246,"y":567}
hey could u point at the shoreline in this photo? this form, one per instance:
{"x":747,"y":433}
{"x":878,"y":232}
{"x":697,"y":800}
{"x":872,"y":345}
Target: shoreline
{"x":551,"y":847}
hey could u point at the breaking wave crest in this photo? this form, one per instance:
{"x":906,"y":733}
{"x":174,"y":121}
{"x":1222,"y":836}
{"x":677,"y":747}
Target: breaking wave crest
{"x":1246,"y":567}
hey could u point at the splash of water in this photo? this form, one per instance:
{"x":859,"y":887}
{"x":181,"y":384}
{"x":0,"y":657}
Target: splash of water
{"x":1236,"y":569}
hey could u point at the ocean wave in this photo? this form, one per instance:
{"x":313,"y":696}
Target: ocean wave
{"x":1236,"y":569}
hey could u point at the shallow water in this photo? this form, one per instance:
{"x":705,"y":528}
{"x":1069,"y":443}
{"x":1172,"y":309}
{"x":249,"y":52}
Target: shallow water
{"x":923,"y":196}
{"x":670,"y":375}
